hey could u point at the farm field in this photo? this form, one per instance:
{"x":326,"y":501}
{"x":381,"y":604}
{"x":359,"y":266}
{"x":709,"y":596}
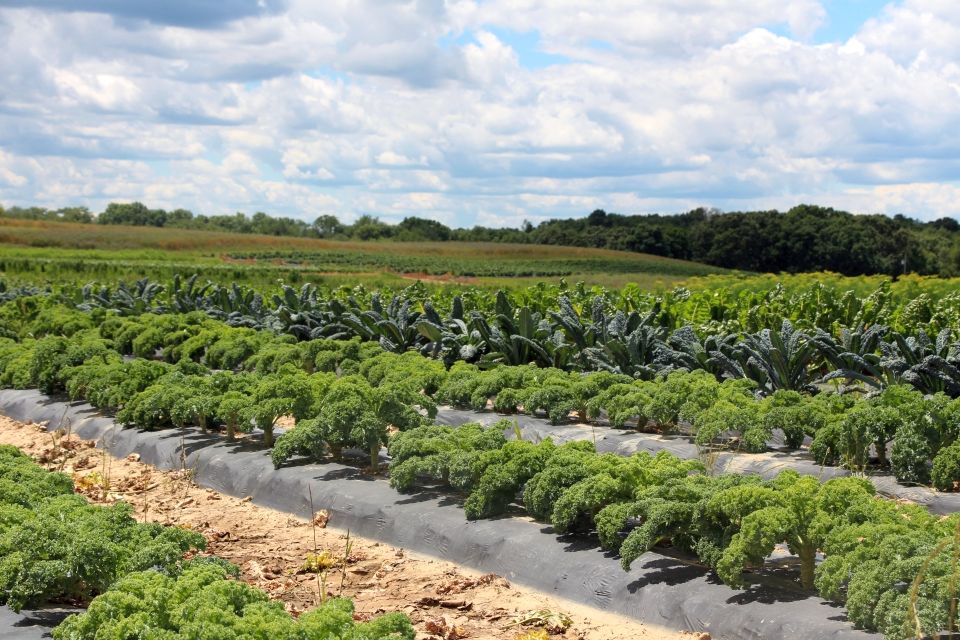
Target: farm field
{"x":435,"y":594}
{"x":854,"y":390}
{"x":475,"y":320}
{"x":59,"y":251}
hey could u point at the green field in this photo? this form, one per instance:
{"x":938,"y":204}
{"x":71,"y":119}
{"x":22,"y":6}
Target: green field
{"x":861,"y":373}
{"x":52,"y":253}
{"x":57,"y":252}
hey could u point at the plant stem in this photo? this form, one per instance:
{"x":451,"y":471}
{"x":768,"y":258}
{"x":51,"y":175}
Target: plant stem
{"x":808,"y":564}
{"x":268,"y":436}
{"x":346,"y":556}
{"x":313,"y":526}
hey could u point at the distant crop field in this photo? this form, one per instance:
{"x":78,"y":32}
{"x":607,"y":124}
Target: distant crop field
{"x":59,"y":251}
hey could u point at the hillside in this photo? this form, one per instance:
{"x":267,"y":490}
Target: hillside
{"x":804,"y":239}
{"x":102,"y":251}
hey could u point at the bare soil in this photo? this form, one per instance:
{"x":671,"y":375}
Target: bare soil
{"x":280,"y":553}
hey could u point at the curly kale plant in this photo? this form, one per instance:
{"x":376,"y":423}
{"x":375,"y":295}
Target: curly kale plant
{"x":735,"y":411}
{"x":735,"y":522}
{"x":847,"y":440}
{"x":430,"y":452}
{"x":494,"y":478}
{"x":56,"y":546}
{"x":794,"y":510}
{"x":290,"y":392}
{"x":109,"y":385}
{"x":894,"y":566}
{"x":54,"y":354}
{"x":203,"y":604}
{"x":612,"y":479}
{"x":26,"y":484}
{"x":793,"y":414}
{"x":946,"y":468}
{"x":680,"y":396}
{"x":352,"y":413}
{"x":72,"y":550}
{"x":677,"y":511}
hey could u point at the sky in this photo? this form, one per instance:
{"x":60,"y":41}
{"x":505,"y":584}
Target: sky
{"x":481,"y":112}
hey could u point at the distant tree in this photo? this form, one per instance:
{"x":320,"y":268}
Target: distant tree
{"x":597,"y":218}
{"x":28,"y":213}
{"x":74,"y":214}
{"x":262,"y":223}
{"x":328,"y":226}
{"x":132,"y":213}
{"x":369,"y":228}
{"x":947,"y":224}
{"x":179,"y":218}
{"x":413,"y":229}
{"x":236,"y":223}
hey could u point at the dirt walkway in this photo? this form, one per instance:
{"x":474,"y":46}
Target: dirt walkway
{"x":276,"y":553}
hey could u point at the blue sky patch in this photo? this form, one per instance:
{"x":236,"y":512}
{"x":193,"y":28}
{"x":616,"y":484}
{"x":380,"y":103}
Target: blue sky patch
{"x":845,"y":17}
{"x":528,"y":47}
{"x":527,"y":44}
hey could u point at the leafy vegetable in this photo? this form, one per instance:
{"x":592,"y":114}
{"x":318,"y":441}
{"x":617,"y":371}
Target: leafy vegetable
{"x":202,"y":604}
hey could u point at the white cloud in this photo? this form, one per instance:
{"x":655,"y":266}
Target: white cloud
{"x":8,"y":176}
{"x":393,"y":159}
{"x":434,"y":108}
{"x":937,"y":199}
{"x":665,"y":28}
{"x":240,"y":163}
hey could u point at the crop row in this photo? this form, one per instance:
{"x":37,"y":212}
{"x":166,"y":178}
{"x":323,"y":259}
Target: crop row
{"x":57,"y":547}
{"x":717,"y":304}
{"x":469,"y":267}
{"x":346,"y":394}
{"x":591,"y":336}
{"x":894,"y":566}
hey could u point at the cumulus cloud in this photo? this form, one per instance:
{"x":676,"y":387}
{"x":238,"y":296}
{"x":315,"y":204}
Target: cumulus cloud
{"x":434,"y":108}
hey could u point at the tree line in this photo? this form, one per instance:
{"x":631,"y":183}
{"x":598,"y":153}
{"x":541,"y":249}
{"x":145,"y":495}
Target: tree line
{"x":805,"y":238}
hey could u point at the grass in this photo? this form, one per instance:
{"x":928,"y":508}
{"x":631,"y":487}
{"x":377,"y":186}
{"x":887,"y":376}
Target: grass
{"x":41,"y":251}
{"x":906,"y":287}
{"x":54,"y":253}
